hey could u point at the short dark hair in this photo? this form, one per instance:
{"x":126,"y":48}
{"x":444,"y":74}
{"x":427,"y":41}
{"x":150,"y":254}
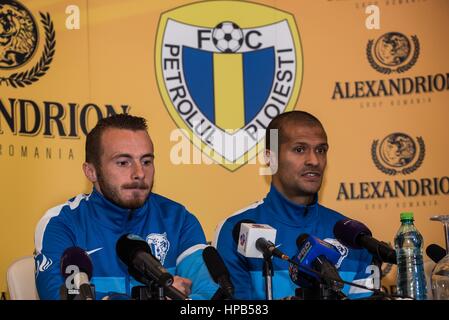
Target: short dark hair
{"x":116,"y":121}
{"x":280,"y":122}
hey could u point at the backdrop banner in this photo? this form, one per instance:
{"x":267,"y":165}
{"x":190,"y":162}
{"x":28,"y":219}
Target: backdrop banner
{"x":209,"y":76}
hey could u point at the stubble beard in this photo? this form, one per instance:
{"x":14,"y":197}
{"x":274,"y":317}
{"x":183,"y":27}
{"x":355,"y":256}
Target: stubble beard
{"x":112,"y":193}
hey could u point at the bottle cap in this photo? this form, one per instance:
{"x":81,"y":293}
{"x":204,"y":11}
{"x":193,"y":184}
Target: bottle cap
{"x":406,"y":215}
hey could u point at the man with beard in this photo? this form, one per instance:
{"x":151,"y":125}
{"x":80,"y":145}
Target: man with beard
{"x":298,"y":159}
{"x":120,"y":164}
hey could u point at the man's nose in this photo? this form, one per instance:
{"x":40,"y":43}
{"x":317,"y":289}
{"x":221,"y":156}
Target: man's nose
{"x":312,"y":159}
{"x":138,"y":173}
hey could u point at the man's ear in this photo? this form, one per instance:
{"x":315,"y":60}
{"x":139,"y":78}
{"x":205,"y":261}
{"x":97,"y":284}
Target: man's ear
{"x":90,"y":172}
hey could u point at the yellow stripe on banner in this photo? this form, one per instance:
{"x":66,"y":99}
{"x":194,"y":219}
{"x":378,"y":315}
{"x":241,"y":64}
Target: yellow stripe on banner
{"x":228,"y":90}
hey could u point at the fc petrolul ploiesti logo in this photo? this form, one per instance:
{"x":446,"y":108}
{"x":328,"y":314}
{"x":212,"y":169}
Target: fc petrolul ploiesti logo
{"x":224,"y":70}
{"x":393,"y":52}
{"x":398,"y":153}
{"x":19,"y":43}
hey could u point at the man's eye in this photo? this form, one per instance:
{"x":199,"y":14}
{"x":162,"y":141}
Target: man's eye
{"x":122,"y":163}
{"x":299,"y":149}
{"x":147,"y":162}
{"x":321,"y":150}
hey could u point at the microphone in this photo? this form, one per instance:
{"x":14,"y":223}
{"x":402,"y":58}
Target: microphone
{"x":356,"y":235}
{"x":315,"y":264}
{"x":142,"y":265}
{"x":77,"y":260}
{"x":136,"y":254}
{"x":435,"y":252}
{"x":299,"y":277}
{"x":255,"y":240}
{"x":269,"y":249}
{"x":320,"y":256}
{"x":218,"y":272}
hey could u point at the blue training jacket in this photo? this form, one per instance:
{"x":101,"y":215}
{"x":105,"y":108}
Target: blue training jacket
{"x":94,"y":224}
{"x":290,"y":220}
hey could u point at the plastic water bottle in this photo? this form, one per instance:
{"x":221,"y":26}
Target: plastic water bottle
{"x":411,"y":279}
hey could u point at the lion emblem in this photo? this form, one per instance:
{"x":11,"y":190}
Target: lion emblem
{"x":18,"y":35}
{"x":159,"y":245}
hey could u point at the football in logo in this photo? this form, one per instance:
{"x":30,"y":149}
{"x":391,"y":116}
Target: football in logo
{"x":393,"y":52}
{"x":398,"y":153}
{"x":227,"y":37}
{"x":19,"y":40}
{"x":225,"y":69}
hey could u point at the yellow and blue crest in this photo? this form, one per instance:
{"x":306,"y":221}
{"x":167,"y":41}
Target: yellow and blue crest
{"x":225,"y":69}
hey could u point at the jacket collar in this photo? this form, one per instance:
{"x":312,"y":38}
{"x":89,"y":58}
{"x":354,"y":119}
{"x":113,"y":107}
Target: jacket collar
{"x":112,"y":215}
{"x":289,"y":212}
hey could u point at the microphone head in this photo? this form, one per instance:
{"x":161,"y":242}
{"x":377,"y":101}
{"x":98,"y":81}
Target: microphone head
{"x":311,"y":247}
{"x":75,"y":256}
{"x":262,"y":245}
{"x":218,"y":271}
{"x":347,"y":231}
{"x":236,"y":229}
{"x":315,"y":255}
{"x":435,"y":252}
{"x":214,"y":263}
{"x":128,"y":245}
{"x":300,"y":240}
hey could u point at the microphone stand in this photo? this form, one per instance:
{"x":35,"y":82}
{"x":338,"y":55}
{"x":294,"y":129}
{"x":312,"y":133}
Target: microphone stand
{"x":316,"y":290}
{"x":268,"y":274}
{"x":329,"y":293}
{"x":150,"y":291}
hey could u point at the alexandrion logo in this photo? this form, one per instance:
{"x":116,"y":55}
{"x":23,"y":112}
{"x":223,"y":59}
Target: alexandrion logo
{"x":393,"y":52}
{"x":19,"y":39}
{"x":224,"y":70}
{"x":398,"y":153}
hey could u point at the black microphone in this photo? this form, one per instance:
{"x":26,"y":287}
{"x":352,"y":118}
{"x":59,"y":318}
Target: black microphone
{"x":356,"y":235}
{"x":77,"y":260}
{"x":218,"y":272}
{"x":136,"y":254}
{"x":268,"y":248}
{"x":435,"y":252}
